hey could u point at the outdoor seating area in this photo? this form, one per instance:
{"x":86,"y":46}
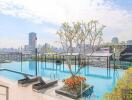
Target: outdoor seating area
{"x":40,"y":86}
{"x":37,"y":83}
{"x":17,"y":92}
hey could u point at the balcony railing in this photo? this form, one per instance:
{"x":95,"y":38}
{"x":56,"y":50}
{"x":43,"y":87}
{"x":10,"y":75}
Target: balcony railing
{"x":4,"y":92}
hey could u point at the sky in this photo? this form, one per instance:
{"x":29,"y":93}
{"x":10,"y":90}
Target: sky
{"x":19,"y":17}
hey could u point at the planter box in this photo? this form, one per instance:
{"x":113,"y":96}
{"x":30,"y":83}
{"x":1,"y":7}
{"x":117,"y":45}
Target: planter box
{"x":73,"y":96}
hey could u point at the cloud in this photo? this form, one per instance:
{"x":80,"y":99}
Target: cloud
{"x":118,"y":21}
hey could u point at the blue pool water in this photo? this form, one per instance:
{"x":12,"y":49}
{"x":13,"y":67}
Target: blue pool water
{"x":102,"y":79}
{"x":11,"y":75}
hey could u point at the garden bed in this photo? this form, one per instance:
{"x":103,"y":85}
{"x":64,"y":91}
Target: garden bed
{"x":74,"y":95}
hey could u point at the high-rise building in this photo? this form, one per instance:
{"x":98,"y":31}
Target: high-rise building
{"x":115,"y":40}
{"x":129,"y":42}
{"x":32,"y":42}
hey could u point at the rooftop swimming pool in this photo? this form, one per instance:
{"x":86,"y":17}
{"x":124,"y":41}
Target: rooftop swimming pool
{"x":102,"y":79}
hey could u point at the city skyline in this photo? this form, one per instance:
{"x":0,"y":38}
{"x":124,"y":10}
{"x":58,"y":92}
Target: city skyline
{"x":18,"y":18}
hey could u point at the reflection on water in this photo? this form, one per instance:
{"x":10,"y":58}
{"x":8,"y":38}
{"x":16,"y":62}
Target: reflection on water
{"x":32,"y":65}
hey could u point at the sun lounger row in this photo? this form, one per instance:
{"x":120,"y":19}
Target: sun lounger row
{"x":39,"y":85}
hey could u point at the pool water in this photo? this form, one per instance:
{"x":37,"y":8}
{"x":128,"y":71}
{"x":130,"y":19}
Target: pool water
{"x":102,"y":79}
{"x":11,"y":75}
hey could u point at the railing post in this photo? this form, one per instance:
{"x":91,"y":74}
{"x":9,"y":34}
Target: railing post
{"x":36,"y":60}
{"x":60,"y":61}
{"x":41,"y":60}
{"x":75,"y":63}
{"x":114,"y":61}
{"x":63,"y":62}
{"x":45,"y":60}
{"x":7,"y":93}
{"x":21,"y":61}
{"x":107,"y":68}
{"x":53,"y":61}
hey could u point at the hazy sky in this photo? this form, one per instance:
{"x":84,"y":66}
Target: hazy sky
{"x":19,"y":17}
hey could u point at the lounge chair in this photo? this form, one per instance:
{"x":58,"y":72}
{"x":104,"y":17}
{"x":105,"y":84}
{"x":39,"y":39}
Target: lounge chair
{"x":27,"y":80}
{"x":42,"y":84}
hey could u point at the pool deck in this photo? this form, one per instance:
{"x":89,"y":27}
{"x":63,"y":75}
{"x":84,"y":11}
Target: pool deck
{"x":26,"y":93}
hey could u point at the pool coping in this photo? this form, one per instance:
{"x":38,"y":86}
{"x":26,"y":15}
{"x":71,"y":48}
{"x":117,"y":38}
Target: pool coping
{"x":16,"y":72}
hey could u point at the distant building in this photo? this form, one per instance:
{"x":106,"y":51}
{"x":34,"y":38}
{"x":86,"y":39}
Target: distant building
{"x":47,"y":45}
{"x":104,"y":50}
{"x":32,"y":42}
{"x":83,"y":48}
{"x":126,"y":54}
{"x":129,"y":42}
{"x":26,"y":47}
{"x":9,"y":50}
{"x":115,"y":40}
{"x":46,"y":48}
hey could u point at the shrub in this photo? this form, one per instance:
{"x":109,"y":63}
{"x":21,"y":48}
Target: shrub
{"x":123,"y":89}
{"x":72,"y":81}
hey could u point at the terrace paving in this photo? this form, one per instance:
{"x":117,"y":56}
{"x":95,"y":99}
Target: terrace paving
{"x":26,"y":93}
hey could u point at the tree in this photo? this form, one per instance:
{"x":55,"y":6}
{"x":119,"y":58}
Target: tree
{"x":79,"y":33}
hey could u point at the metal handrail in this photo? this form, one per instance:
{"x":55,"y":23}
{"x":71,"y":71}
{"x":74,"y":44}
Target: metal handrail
{"x":7,"y":91}
{"x":53,"y":75}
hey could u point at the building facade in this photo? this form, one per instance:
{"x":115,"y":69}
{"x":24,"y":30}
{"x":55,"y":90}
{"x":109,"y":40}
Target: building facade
{"x":126,"y":54}
{"x":32,"y":42}
{"x":129,"y":42}
{"x":115,"y":40}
